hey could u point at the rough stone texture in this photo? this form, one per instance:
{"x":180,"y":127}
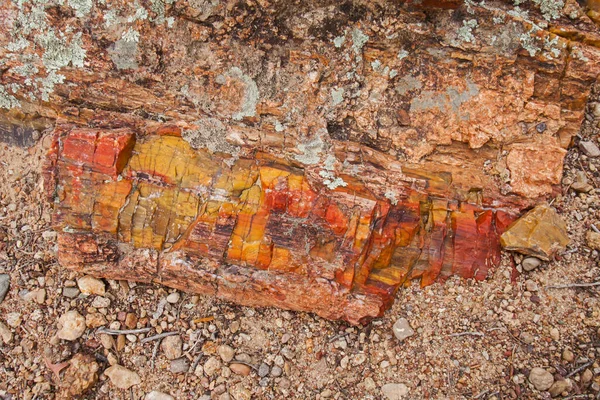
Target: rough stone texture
{"x":593,"y":239}
{"x":402,"y":329}
{"x":541,"y":379}
{"x":540,"y":233}
{"x":122,"y":377}
{"x":395,"y":391}
{"x":71,"y":325}
{"x":590,"y":149}
{"x":80,"y":376}
{"x":313,"y":156}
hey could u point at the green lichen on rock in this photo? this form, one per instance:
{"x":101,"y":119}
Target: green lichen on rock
{"x":58,"y":52}
{"x":328,"y":175}
{"x":465,"y":32}
{"x":359,"y":39}
{"x":7,"y":100}
{"x":251,"y":94}
{"x":550,"y":8}
{"x":47,"y":84}
{"x":210,"y":134}
{"x":81,"y":7}
{"x":311,"y":151}
{"x":337,"y":96}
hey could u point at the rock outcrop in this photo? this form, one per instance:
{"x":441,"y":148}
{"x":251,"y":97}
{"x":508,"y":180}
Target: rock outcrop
{"x":313,"y":156}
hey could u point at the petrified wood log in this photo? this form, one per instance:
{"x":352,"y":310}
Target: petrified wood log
{"x":313,"y":155}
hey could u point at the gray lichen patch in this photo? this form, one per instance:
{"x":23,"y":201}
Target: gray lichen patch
{"x":251,"y":94}
{"x":465,"y":32}
{"x":81,"y":7}
{"x":159,"y":8}
{"x":124,"y":54}
{"x":408,"y":83}
{"x":311,"y":151}
{"x":58,"y":52}
{"x":337,"y":96}
{"x":210,"y":134}
{"x":328,"y":175}
{"x":339,"y":41}
{"x":392,"y":196}
{"x":449,"y":101}
{"x":131,"y":35}
{"x":7,"y":100}
{"x":46,"y":84}
{"x":359,"y":39}
{"x":529,"y":43}
{"x":550,"y":8}
{"x":140,"y":13}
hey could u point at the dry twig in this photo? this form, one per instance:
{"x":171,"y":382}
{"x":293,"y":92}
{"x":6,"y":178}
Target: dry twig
{"x":156,"y":337}
{"x":573,"y":285}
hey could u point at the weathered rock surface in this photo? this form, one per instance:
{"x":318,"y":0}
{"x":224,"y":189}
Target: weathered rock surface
{"x":541,"y":233}
{"x":541,"y":379}
{"x":80,"y":376}
{"x":122,"y":377}
{"x":71,"y":325}
{"x":313,"y":156}
{"x":402,"y":329}
{"x":91,"y":285}
{"x":395,"y":391}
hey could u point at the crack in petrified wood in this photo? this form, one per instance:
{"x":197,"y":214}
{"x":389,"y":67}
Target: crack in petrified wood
{"x":255,"y":231}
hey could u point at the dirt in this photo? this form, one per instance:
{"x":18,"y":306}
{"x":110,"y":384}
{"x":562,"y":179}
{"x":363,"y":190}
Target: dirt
{"x":473,"y":340}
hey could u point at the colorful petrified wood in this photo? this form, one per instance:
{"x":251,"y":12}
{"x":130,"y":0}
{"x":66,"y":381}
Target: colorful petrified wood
{"x":255,"y":231}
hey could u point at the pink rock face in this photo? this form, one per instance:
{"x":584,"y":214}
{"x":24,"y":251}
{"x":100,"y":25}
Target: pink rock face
{"x":313,"y":156}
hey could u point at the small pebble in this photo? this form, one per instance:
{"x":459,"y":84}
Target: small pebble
{"x":71,"y":325}
{"x":276,"y":371}
{"x":90,"y":285}
{"x":568,"y":355}
{"x":180,"y":365}
{"x":263,"y":370}
{"x":154,"y":395}
{"x":541,"y":379}
{"x":531,"y":286}
{"x":530,"y":263}
{"x":394,"y":391}
{"x":173,"y":297}
{"x":226,"y":353}
{"x":172,"y":347}
{"x":402,"y":329}
{"x":240,"y":369}
{"x":122,"y":377}
{"x":70,"y":292}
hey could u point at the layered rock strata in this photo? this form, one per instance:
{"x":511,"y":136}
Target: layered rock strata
{"x":312,"y":155}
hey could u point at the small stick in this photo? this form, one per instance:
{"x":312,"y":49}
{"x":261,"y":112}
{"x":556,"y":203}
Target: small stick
{"x":481,"y":394}
{"x":154,"y":352}
{"x":573,"y":285}
{"x":159,"y":336}
{"x":467,"y":334}
{"x":595,"y":229}
{"x":576,"y":370}
{"x":578,"y":396}
{"x":196,"y":361}
{"x":118,"y":332}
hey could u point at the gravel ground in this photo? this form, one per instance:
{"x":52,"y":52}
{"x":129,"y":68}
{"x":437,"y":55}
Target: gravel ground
{"x":508,"y":337}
